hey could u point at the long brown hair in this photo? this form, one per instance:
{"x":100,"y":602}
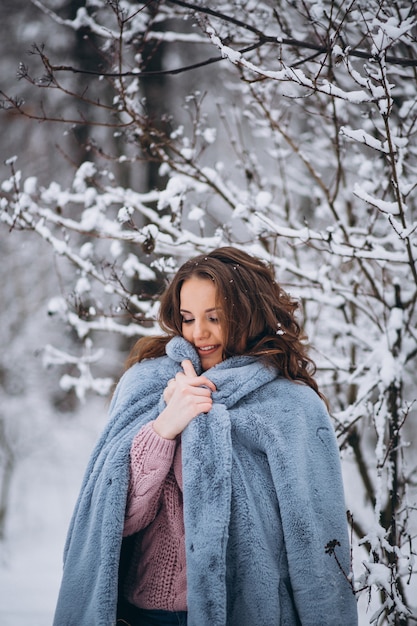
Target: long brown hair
{"x":257,"y":316}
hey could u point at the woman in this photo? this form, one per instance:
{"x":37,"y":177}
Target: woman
{"x":214,"y":496}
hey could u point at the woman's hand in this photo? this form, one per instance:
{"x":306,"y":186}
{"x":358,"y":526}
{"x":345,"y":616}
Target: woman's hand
{"x":187,"y":395}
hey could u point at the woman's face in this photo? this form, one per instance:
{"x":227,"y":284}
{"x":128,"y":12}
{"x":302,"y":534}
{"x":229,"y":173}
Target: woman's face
{"x":200,"y":320}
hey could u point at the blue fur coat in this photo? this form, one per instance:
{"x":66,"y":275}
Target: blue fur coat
{"x":263,"y":497}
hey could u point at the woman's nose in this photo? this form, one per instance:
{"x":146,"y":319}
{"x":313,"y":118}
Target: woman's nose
{"x":200,"y":329}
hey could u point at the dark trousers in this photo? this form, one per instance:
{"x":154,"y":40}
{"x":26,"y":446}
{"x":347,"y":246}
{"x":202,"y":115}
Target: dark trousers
{"x":154,"y":617}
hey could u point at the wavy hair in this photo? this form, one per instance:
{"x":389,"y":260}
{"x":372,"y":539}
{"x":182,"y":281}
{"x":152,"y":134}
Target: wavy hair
{"x":257,"y":316}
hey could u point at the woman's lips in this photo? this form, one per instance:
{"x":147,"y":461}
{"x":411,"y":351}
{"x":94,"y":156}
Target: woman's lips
{"x":207,"y":349}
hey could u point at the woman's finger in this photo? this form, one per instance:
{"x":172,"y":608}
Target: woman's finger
{"x":200,"y":381}
{"x":188,"y":368}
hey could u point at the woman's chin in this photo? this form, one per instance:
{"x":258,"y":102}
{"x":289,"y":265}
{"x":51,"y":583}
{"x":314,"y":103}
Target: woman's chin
{"x":212,"y":359}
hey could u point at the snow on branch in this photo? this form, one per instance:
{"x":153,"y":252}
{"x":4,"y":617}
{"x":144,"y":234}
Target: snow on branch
{"x":367,"y":139}
{"x":85,"y":381}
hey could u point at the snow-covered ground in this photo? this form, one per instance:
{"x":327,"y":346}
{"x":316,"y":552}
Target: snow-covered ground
{"x":44,"y":491}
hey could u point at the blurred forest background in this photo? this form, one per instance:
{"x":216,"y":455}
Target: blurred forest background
{"x":136,"y":134}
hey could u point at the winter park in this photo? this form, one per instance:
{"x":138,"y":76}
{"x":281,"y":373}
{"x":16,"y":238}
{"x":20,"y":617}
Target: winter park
{"x":137,"y":136}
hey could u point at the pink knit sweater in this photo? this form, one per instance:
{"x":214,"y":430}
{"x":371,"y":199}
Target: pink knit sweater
{"x":157,"y":576}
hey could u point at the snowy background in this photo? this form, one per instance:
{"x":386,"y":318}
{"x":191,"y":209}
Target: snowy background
{"x":45,"y":487}
{"x":298,"y":143}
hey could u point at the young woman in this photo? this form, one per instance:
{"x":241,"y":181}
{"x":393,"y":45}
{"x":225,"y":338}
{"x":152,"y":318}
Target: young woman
{"x":214,"y":496}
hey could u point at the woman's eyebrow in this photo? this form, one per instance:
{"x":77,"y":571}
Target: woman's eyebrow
{"x":206,"y":311}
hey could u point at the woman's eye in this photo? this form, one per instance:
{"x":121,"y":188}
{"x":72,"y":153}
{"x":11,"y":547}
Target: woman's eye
{"x":214,"y":319}
{"x":187,"y":321}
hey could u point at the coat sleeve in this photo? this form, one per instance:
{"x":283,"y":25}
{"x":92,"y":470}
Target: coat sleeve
{"x":305,"y":466}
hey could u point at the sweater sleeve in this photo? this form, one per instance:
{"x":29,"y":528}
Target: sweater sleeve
{"x":151,"y":458}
